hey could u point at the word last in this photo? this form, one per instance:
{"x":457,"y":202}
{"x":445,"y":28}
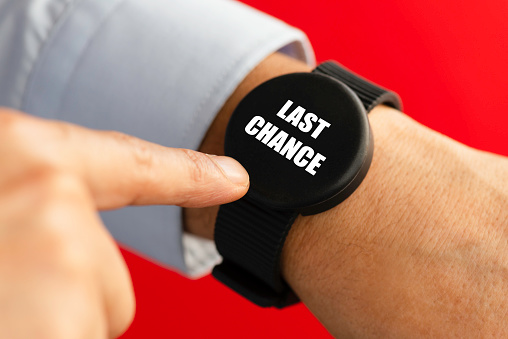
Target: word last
{"x":295,"y":119}
{"x":282,"y":143}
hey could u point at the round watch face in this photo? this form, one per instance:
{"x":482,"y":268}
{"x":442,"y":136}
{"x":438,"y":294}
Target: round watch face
{"x":305,"y":141}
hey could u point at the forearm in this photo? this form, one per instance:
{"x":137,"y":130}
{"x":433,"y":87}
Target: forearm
{"x":419,"y":249}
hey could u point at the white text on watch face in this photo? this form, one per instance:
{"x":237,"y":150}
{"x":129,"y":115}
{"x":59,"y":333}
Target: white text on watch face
{"x":292,"y":149}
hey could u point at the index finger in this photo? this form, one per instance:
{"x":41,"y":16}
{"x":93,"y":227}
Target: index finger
{"x":123,"y":170}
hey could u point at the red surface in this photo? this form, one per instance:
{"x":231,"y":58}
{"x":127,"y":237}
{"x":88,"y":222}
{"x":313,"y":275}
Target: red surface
{"x":448,"y":61}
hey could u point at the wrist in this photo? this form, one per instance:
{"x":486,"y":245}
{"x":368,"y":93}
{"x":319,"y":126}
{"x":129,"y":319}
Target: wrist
{"x":271,"y":67}
{"x":201,"y":221}
{"x":346,"y":222}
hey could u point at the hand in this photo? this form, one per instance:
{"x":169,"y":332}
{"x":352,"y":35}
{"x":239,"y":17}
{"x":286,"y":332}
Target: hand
{"x":62,"y":275}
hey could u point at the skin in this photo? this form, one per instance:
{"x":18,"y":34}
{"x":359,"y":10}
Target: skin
{"x":419,"y":250}
{"x":62,"y":274}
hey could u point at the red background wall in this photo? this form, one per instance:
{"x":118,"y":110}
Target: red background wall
{"x":447,"y":59}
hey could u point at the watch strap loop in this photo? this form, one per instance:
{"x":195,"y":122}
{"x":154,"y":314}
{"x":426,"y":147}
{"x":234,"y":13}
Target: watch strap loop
{"x":369,"y":93}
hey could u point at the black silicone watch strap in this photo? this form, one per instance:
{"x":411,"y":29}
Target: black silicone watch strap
{"x":250,"y":239}
{"x":369,"y":93}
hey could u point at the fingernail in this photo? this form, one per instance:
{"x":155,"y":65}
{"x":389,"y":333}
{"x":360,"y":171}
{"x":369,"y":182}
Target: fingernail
{"x":232,"y":169}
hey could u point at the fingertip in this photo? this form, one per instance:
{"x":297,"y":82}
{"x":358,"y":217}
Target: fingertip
{"x":232,"y":170}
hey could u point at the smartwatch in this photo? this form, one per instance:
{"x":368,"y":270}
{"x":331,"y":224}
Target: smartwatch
{"x":306,"y":142}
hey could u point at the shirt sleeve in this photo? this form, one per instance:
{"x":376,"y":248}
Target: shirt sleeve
{"x":156,"y":69}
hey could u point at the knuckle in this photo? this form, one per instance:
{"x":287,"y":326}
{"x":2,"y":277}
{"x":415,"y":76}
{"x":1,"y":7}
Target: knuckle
{"x":127,"y":316}
{"x":118,"y":136}
{"x":66,"y":259}
{"x":142,"y":156}
{"x":40,"y":190}
{"x":23,"y":136}
{"x":57,"y":187}
{"x":73,"y":313}
{"x":10,"y":122}
{"x":199,"y":165}
{"x":58,"y":194}
{"x":130,"y":311}
{"x":7,"y":116}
